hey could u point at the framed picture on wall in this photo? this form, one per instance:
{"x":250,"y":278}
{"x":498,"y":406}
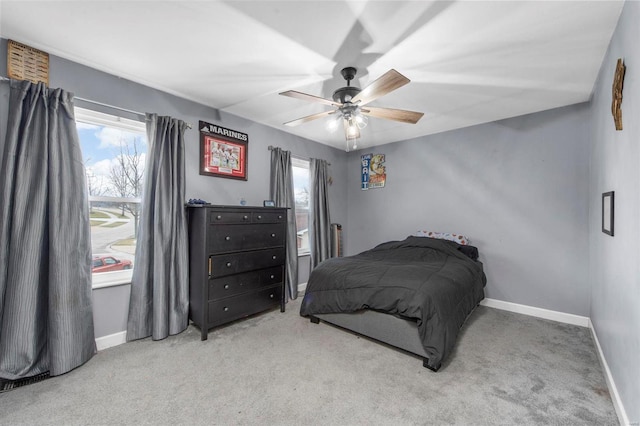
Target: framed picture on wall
{"x":607,"y":212}
{"x":223,"y":152}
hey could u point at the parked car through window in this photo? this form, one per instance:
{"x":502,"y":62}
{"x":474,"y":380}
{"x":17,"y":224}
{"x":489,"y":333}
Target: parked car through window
{"x":109,"y":264}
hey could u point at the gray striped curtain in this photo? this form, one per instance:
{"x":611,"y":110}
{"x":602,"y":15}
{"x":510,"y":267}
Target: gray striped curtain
{"x":281,"y":190}
{"x":320,"y":229}
{"x":46,"y":317}
{"x":159,"y":301}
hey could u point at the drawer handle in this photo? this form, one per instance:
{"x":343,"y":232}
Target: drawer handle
{"x":227,"y":238}
{"x":272,"y":276}
{"x":226,"y":286}
{"x":245,"y":217}
{"x":225,"y":309}
{"x":274,"y":257}
{"x":218,"y":217}
{"x":279,"y":216}
{"x":259,"y":217}
{"x":271,"y":295}
{"x":228,"y":264}
{"x":273,"y":235}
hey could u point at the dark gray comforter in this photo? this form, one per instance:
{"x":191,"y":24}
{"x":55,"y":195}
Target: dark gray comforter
{"x":424,"y":279}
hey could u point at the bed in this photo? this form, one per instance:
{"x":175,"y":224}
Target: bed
{"x":413,"y":294}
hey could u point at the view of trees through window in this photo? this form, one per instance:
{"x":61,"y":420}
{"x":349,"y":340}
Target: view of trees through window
{"x":114,"y":152}
{"x":301,"y":193}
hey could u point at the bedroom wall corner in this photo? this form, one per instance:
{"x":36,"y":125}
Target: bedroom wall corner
{"x":614,"y":269}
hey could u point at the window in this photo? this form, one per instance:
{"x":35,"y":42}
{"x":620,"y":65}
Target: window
{"x":113,"y":151}
{"x":301,"y":192}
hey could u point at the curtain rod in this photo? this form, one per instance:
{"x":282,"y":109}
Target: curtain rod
{"x":109,"y":106}
{"x":116,"y":107}
{"x":3,"y":78}
{"x":270,"y":148}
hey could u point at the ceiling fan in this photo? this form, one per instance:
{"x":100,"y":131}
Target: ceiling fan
{"x":350,"y":103}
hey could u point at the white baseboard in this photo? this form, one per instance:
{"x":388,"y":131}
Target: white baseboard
{"x":613,"y":390}
{"x":111,"y":340}
{"x":119,"y":338}
{"x":537,"y":312}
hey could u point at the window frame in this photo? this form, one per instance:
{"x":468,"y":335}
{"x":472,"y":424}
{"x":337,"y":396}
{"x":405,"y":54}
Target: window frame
{"x":92,"y":117}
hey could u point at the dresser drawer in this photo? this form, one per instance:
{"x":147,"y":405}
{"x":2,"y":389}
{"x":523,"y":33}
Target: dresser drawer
{"x":222,"y":217}
{"x":222,"y":239}
{"x":231,"y":285}
{"x":234,"y":263}
{"x":232,"y":308}
{"x":218,"y":217}
{"x":269,"y":217}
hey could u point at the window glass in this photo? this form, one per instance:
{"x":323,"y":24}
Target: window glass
{"x":114,"y":151}
{"x":301,"y":192}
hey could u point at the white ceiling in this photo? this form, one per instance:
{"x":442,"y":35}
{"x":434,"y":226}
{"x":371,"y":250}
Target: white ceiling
{"x":469,"y":62}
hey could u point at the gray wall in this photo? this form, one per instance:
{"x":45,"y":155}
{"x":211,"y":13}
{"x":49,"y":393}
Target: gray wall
{"x":614,"y":272}
{"x":95,"y":85}
{"x":518,"y":188}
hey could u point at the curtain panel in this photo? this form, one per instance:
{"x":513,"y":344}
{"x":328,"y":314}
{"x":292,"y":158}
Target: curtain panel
{"x":281,"y":190}
{"x":159,"y":301}
{"x":46,"y":315}
{"x":320,"y":229}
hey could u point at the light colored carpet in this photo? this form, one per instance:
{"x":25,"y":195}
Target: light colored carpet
{"x":276,"y":368}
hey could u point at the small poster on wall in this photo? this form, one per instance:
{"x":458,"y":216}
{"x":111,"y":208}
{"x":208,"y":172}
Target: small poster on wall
{"x":374,"y":174}
{"x":223,"y":152}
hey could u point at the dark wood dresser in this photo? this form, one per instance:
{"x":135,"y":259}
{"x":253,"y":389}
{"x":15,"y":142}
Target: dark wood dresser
{"x":236,"y":262}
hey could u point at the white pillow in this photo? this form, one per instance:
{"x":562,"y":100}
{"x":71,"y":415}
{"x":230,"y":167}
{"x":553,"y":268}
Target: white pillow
{"x":460,"y":239}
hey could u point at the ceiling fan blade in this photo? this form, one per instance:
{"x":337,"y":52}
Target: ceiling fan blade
{"x":311,"y":98}
{"x":390,"y":81}
{"x":402,"y":115}
{"x":309,"y":118}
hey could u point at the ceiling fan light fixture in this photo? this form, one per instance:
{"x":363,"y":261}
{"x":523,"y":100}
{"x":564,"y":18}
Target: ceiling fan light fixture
{"x":361,"y":120}
{"x":352,"y":129}
{"x":334,"y":123}
{"x":349,"y":139}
